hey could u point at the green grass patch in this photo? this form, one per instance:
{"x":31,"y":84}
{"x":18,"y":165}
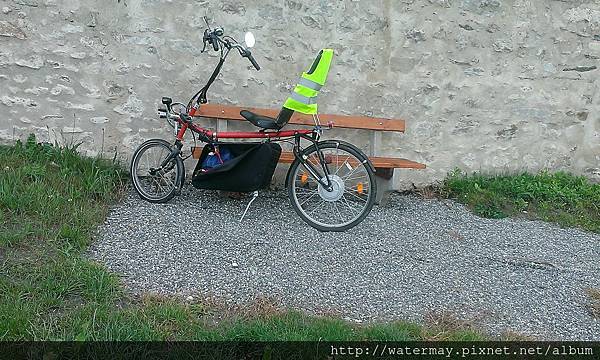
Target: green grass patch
{"x":51,"y":200}
{"x":594,"y":305}
{"x":569,"y":200}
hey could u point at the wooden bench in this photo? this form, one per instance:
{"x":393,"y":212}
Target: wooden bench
{"x":384,"y":165}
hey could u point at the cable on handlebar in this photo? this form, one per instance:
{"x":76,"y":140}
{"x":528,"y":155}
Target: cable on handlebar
{"x":225,"y":44}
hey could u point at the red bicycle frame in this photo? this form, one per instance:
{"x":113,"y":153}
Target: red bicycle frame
{"x":214,"y":135}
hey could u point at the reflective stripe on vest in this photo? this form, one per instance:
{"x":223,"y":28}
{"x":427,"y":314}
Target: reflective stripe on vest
{"x":310,"y":84}
{"x":304,"y":99}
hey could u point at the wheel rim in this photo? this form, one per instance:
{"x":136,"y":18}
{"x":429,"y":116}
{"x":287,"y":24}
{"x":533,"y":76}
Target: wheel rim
{"x":349,"y":197}
{"x":149,"y":179}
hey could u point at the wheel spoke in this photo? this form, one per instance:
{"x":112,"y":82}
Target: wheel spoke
{"x":353,"y":170}
{"x":160,"y":157}
{"x":341,"y":166}
{"x":157,"y":181}
{"x":365,"y":180}
{"x":356,"y":176}
{"x":338,"y":210}
{"x":310,"y":197}
{"x":349,"y":206}
{"x":168,"y":178}
{"x":316,"y":207}
{"x":356,"y":196}
{"x":308,"y":191}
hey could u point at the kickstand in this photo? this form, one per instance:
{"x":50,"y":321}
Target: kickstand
{"x":254,"y":196}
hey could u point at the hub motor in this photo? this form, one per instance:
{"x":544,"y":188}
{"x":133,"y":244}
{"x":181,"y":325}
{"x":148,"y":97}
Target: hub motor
{"x":337,"y":185}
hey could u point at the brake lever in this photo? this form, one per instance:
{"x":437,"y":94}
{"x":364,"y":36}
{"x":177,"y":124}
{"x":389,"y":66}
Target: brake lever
{"x":204,"y":38}
{"x":215,"y":42}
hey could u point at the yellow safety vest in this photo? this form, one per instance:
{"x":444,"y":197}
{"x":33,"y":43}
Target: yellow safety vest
{"x":304,"y":97}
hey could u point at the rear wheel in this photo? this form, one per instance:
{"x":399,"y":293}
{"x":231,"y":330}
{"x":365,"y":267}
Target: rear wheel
{"x":351,"y":196}
{"x":153,"y":182}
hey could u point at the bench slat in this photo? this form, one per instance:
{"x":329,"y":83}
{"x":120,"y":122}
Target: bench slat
{"x":230,"y":112}
{"x":287,"y":157}
{"x":378,"y":162}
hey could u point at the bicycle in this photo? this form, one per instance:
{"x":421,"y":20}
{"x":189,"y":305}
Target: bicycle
{"x":330,"y":183}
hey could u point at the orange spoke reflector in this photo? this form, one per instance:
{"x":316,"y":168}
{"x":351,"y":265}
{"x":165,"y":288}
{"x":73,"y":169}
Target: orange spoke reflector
{"x":304,"y":178}
{"x":360,"y":188}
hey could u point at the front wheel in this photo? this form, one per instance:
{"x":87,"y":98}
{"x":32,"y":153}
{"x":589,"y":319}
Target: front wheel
{"x":153,"y":181}
{"x":353,"y":187}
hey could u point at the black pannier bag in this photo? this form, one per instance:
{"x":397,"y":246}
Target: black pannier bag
{"x":250,"y":169}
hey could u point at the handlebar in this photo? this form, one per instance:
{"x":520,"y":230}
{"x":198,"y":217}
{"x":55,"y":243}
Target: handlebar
{"x":213,"y":37}
{"x":248,"y":54}
{"x":216,"y":38}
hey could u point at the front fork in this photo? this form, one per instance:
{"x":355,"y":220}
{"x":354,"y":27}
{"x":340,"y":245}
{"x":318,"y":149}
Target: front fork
{"x":299,"y":154}
{"x":175,"y":151}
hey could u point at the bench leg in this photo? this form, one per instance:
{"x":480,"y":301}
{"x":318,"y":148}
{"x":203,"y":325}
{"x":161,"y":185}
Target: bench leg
{"x":385,"y":182}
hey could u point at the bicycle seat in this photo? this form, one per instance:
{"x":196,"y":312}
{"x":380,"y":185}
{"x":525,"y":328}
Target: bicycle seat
{"x":263,"y":122}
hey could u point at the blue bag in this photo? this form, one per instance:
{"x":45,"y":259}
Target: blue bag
{"x":218,"y":156}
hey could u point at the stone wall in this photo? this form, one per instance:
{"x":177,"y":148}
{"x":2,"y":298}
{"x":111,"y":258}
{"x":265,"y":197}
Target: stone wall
{"x":492,"y":85}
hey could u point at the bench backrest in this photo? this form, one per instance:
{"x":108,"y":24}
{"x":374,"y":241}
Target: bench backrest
{"x":230,"y":112}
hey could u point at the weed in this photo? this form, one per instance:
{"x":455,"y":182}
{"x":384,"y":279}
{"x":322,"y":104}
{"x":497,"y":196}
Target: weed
{"x":559,"y":197}
{"x":594,"y":306}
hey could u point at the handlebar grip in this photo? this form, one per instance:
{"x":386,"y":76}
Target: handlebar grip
{"x":253,"y":61}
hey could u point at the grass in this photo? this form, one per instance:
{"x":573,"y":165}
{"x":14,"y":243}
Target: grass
{"x":569,"y":200}
{"x":51,"y":200}
{"x":594,"y":306}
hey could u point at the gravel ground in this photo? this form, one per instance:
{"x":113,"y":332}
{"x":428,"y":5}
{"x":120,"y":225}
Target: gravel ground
{"x":407,"y":259}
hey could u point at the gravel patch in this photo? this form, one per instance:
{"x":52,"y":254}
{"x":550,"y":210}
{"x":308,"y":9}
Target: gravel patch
{"x":407,"y":259}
